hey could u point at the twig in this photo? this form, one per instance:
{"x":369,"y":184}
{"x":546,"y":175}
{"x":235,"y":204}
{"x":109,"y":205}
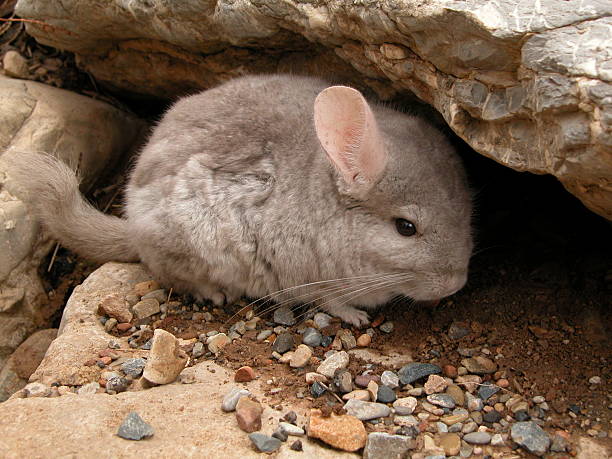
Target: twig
{"x":169,"y":295}
{"x":333,"y":393}
{"x":57,"y":246}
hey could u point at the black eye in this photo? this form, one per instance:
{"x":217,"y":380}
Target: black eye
{"x":405,"y":227}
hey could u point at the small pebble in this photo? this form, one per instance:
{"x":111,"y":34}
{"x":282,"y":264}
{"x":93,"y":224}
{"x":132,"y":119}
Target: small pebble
{"x":530,"y":436}
{"x":110,"y":324}
{"x":360,"y":394}
{"x":248,"y":414}
{"x":443,"y":400}
{"x":244,"y":374}
{"x":316,"y":389}
{"x":296,"y":446}
{"x":290,"y":417}
{"x":389,"y":379}
{"x":492,"y":416}
{"x":37,"y":389}
{"x":146,"y":308}
{"x":387,"y":327}
{"x":133,"y":367}
{"x":595,"y":380}
{"x":386,"y":395}
{"x":217,"y":342}
{"x":479,"y":365}
{"x":364,"y":380}
{"x":301,"y":356}
{"x":364,"y":340}
{"x":322,"y":320}
{"x":133,"y":427}
{"x":117,"y":384}
{"x":283,"y":343}
{"x":262,"y":335}
{"x":478,"y":438}
{"x":264,"y":443}
{"x":280,"y":434}
{"x":383,"y":445}
{"x":332,"y":363}
{"x":405,"y":405}
{"x":343,"y":381}
{"x":291,"y":429}
{"x":365,"y":411}
{"x":486,"y":390}
{"x":435,"y":384}
{"x":342,"y":432}
{"x":231,"y":398}
{"x":312,"y":377}
{"x":497,"y":440}
{"x":415,"y":371}
{"x":312,"y":337}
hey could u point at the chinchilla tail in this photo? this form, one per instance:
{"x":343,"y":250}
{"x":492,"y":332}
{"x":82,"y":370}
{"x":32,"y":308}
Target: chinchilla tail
{"x":53,"y":189}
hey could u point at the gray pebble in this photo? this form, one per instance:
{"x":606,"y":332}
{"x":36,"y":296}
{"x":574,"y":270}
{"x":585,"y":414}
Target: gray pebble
{"x":365,"y":411}
{"x":291,"y":429}
{"x":133,"y":367}
{"x":322,"y":320}
{"x":263,"y":335}
{"x":492,"y":416}
{"x":280,"y":434}
{"x":134,"y":428}
{"x":88,"y":389}
{"x":283,"y":343}
{"x":442,"y":428}
{"x":415,"y":371}
{"x":284,"y":316}
{"x":389,"y":379}
{"x":457,"y":331}
{"x":231,"y":398}
{"x":316,"y":389}
{"x":387,"y":327}
{"x":326,"y":341}
{"x":264,"y":443}
{"x":530,"y":436}
{"x":343,"y":380}
{"x":160,"y":295}
{"x":486,"y":390}
{"x":443,"y":400}
{"x":117,"y":384}
{"x":198,"y":350}
{"x":239,"y":327}
{"x":312,"y":337}
{"x":332,"y":363}
{"x":478,"y":438}
{"x":384,"y":445}
{"x":385,"y":395}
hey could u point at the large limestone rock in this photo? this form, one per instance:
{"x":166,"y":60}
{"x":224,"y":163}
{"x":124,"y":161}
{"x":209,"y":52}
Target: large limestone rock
{"x":526,"y":83}
{"x":36,"y":117}
{"x":186,"y":418}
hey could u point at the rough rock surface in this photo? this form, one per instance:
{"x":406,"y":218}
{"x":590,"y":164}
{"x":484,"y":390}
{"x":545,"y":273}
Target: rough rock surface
{"x":187,"y":418}
{"x":36,"y":117}
{"x":526,"y":83}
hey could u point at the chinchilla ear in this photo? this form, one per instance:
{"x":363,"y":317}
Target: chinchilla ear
{"x":348,"y":132}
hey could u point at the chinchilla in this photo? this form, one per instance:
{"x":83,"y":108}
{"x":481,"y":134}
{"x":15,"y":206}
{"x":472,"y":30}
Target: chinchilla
{"x":280,"y":187}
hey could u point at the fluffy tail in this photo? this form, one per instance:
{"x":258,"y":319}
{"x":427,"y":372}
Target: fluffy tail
{"x":53,"y":190}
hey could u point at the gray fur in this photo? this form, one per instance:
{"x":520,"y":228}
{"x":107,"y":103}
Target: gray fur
{"x":234,"y":195}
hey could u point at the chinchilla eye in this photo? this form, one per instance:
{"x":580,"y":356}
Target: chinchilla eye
{"x":405,"y":227}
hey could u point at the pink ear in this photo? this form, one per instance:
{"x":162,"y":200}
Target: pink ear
{"x":349,"y":134}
